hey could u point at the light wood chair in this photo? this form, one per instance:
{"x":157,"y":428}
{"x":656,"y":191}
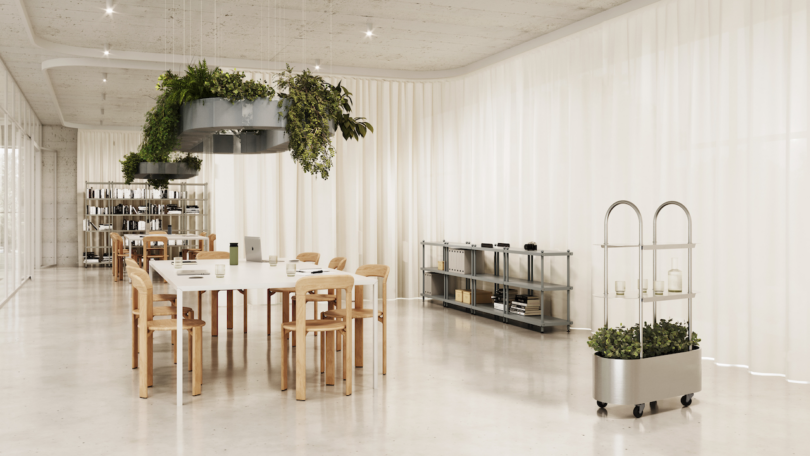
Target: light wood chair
{"x":119,"y":254}
{"x":301,"y":326}
{"x":154,"y":252}
{"x":338,"y":263}
{"x":146,"y":329}
{"x":170,"y":310}
{"x":359,"y":313}
{"x":311,"y":257}
{"x":190,"y":254}
{"x":215,"y":297}
{"x":158,"y":233}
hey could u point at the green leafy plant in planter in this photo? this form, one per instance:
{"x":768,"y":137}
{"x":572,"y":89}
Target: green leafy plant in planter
{"x":661,"y":339}
{"x":161,"y":124}
{"x":309,"y":106}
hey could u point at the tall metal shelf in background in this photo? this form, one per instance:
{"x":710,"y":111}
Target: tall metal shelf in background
{"x":99,"y":241}
{"x":502,"y":278}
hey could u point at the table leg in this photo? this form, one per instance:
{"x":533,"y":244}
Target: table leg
{"x":374,"y":333}
{"x":269,"y":297}
{"x":230,"y":309}
{"x":214,"y":313}
{"x":301,"y":354}
{"x":180,"y":348}
{"x":358,"y":327}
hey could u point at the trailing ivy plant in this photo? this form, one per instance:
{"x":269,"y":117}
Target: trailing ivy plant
{"x":161,"y":124}
{"x":310,"y":106}
{"x":661,"y":339}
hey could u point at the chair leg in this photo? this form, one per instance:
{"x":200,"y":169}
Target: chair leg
{"x":134,"y":341}
{"x":322,"y":335}
{"x":348,"y":340}
{"x":358,"y":336}
{"x":199,"y":303}
{"x":174,"y":344}
{"x":385,"y":344}
{"x":230,"y":310}
{"x":301,"y":365}
{"x":150,"y":352}
{"x":284,"y":360}
{"x":143,"y":374}
{"x":292,"y":333}
{"x":328,"y":350}
{"x":245,"y":296}
{"x":214,"y":313}
{"x":190,"y":349}
{"x":345,"y":359}
{"x":285,"y":309}
{"x":196,"y":376}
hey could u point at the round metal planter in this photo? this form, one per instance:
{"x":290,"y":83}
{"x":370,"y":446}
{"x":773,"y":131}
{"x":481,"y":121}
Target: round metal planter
{"x":169,"y":171}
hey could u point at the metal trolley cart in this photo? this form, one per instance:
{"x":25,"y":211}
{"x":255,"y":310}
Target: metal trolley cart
{"x":638,"y":381}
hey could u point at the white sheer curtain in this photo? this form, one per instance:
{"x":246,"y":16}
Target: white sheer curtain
{"x":700,"y":101}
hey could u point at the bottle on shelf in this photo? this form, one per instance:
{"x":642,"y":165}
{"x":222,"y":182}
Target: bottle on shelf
{"x":675,"y":278}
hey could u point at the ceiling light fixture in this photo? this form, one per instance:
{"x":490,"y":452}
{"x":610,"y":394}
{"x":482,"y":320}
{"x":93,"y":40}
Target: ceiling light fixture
{"x":104,"y":79}
{"x":106,"y":52}
{"x":318,"y":64}
{"x":369,"y":31}
{"x":109,"y":11}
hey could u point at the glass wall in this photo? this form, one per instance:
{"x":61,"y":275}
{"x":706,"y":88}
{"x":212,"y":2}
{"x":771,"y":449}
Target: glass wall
{"x":20,"y":136}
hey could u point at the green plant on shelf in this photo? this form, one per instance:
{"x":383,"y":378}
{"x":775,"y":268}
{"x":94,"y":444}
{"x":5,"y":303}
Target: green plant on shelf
{"x":664,"y":338}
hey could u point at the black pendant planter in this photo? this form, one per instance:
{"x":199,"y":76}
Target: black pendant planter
{"x":167,"y":171}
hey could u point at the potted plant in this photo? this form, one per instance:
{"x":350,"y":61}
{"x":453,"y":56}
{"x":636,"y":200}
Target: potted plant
{"x":669,"y":368}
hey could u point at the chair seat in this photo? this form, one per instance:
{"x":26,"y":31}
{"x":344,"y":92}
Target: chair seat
{"x":171,"y":325}
{"x":319,"y":297}
{"x":316,"y":325}
{"x":283,"y":290}
{"x":163,"y":311}
{"x":356,"y":313}
{"x":164,"y":297}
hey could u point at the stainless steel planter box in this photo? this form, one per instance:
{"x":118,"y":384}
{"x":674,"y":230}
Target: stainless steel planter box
{"x":150,"y":170}
{"x":638,"y":381}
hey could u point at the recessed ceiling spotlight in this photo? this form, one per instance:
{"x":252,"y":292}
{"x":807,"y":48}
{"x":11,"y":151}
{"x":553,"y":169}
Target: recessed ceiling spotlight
{"x":317,"y":64}
{"x":109,"y":11}
{"x":369,"y":33}
{"x":104,"y":77}
{"x":106,"y":52}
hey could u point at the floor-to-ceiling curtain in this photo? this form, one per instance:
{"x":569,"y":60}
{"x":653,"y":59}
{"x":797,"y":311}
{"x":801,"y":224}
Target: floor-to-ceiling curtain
{"x":699,"y":101}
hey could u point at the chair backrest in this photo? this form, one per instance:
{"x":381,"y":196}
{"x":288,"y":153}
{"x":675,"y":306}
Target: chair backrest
{"x":148,"y":240}
{"x":312,"y":257}
{"x":335,"y":282}
{"x":158,"y":232}
{"x":211,"y":240}
{"x":133,"y":265}
{"x":143,"y":285}
{"x":115,"y":238}
{"x":337,"y":263}
{"x":377,"y":270}
{"x":213,"y":256}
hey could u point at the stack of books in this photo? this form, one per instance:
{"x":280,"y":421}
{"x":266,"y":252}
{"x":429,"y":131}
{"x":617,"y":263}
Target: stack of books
{"x":192,"y":209}
{"x":526,"y":305}
{"x":500,"y":297}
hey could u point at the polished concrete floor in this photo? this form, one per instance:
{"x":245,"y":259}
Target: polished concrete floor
{"x":457,"y":384}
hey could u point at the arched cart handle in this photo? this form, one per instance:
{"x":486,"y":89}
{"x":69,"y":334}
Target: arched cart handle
{"x":689,"y":265}
{"x":640,"y":268}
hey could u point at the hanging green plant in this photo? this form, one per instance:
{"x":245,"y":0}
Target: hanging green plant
{"x":310,"y":106}
{"x":661,"y":339}
{"x":161,"y":124}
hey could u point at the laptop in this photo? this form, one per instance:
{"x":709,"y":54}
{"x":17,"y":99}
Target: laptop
{"x":253,"y":249}
{"x":190,"y":272}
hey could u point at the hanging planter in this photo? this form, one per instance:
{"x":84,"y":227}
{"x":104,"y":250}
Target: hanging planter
{"x":166,"y":171}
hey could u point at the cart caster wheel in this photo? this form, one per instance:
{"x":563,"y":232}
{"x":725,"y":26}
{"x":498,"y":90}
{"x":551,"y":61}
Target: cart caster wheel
{"x":653,"y":404}
{"x":638,"y":410}
{"x":686,"y":400}
{"x":601,"y":404}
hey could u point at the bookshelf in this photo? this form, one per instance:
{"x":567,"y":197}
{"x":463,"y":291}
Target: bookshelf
{"x":501,"y":279}
{"x":149,"y":207}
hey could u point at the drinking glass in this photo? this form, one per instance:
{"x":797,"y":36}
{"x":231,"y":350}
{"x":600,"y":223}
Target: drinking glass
{"x":659,"y":287}
{"x":220,"y":270}
{"x":273,"y":260}
{"x":290,"y":269}
{"x":620,"y":287}
{"x":178,"y":262}
{"x":645,"y":286}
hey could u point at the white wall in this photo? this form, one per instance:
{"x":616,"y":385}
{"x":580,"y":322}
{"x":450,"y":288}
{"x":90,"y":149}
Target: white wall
{"x":59,"y":171}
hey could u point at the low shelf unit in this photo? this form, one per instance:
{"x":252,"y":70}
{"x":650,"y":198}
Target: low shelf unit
{"x":501,"y":279}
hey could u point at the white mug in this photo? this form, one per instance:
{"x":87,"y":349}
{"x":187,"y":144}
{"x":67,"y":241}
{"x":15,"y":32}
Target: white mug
{"x":220,"y":270}
{"x":620,"y":287}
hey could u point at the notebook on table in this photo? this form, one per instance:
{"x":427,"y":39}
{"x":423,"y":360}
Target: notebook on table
{"x":187,"y":272}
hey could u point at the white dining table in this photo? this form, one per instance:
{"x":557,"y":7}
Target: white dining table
{"x":131,"y":239}
{"x":246,"y":275}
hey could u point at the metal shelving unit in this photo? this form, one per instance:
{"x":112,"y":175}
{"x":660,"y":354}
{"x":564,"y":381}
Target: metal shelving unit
{"x":637,"y":381}
{"x":98,"y":241}
{"x":502,"y":278}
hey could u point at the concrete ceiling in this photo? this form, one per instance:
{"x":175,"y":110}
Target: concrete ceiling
{"x":409,"y":35}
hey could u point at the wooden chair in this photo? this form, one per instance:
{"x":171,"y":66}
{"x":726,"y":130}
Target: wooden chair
{"x":337,"y":263}
{"x":156,"y":252}
{"x":158,"y":233}
{"x":147,"y":327}
{"x":215,"y":297}
{"x":191,"y":253}
{"x":359,"y":313}
{"x":312,"y":257}
{"x":170,"y":310}
{"x":119,"y":254}
{"x":301,"y":326}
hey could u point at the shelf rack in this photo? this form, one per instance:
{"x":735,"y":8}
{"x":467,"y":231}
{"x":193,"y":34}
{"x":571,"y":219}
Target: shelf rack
{"x":637,"y":381}
{"x":502,"y":279}
{"x":99,"y":241}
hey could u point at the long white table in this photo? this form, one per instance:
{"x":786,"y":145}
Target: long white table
{"x":247,"y":275}
{"x":130,"y":239}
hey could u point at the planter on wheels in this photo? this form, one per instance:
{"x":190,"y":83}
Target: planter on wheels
{"x":638,"y":381}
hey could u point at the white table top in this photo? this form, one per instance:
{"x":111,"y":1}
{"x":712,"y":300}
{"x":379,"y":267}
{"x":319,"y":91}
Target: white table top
{"x":172,"y":237}
{"x":245,"y":275}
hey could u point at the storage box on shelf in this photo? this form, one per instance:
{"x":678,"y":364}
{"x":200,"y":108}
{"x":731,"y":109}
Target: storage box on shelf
{"x":638,"y":381}
{"x":138,"y":208}
{"x":461,"y":261}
